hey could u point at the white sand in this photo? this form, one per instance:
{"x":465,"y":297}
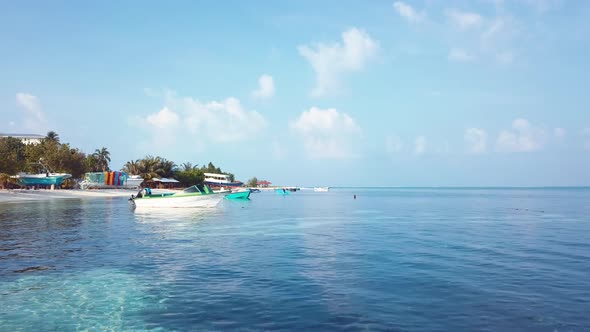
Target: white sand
{"x":42,"y":194}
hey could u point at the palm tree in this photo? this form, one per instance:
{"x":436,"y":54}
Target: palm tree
{"x":132,"y":167}
{"x":103,"y":158}
{"x":52,"y":136}
{"x":188,"y":167}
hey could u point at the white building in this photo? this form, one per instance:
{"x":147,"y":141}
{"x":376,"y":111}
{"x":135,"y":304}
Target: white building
{"x":26,"y":138}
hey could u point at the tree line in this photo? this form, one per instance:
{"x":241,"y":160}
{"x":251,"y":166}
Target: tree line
{"x":187,"y":174}
{"x":16,"y":156}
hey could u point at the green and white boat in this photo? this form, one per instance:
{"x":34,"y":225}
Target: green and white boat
{"x":197,"y":196}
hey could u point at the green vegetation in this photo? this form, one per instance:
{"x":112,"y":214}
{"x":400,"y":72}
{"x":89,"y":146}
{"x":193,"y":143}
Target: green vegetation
{"x":157,"y":167}
{"x":15,"y":156}
{"x":253,"y":182}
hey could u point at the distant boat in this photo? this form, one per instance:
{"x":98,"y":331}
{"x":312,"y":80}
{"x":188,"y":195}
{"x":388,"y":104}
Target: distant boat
{"x":282,"y":191}
{"x":321,"y":189}
{"x":220,"y":180}
{"x":242,"y":194}
{"x":198,"y":196}
{"x":254,"y":190}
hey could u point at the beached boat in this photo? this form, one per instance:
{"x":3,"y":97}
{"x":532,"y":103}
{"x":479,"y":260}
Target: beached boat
{"x":44,"y":179}
{"x":321,"y":189}
{"x":105,"y":180}
{"x":220,"y":180}
{"x":198,"y":196}
{"x":242,"y":194}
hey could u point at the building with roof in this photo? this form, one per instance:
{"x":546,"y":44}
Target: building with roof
{"x":25,"y":138}
{"x":263,"y":184}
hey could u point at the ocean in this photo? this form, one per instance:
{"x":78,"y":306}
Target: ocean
{"x":393,"y":259}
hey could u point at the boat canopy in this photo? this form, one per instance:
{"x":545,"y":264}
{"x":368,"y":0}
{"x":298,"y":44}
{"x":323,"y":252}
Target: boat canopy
{"x":199,"y":188}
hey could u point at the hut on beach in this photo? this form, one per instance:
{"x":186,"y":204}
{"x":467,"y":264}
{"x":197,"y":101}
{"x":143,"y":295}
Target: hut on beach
{"x":263,"y":184}
{"x":165,"y":183}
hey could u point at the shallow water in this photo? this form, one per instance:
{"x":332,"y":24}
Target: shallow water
{"x":393,"y":259}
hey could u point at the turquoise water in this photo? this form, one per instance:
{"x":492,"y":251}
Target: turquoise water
{"x":393,"y":259}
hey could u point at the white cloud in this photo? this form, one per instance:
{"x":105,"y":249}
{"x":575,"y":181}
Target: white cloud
{"x":460,"y":55}
{"x":406,"y":11}
{"x":164,"y":119}
{"x":266,"y":87}
{"x":327,"y":134}
{"x":213,"y":121}
{"x":34,"y":118}
{"x":331,"y":61}
{"x":393,"y":144}
{"x":222,"y":121}
{"x":463,"y":20}
{"x":476,"y":140}
{"x":420,"y":145}
{"x":523,"y":137}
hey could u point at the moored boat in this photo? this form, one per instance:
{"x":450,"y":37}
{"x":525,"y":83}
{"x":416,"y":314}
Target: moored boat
{"x":282,"y":191}
{"x":197,"y":196}
{"x":242,"y":194}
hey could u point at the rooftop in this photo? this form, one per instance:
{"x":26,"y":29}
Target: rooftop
{"x":21,"y":135}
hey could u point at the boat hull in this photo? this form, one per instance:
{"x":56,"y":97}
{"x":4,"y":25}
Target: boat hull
{"x":42,"y":180}
{"x":191,"y":201}
{"x":223,"y":184}
{"x":239,"y":195}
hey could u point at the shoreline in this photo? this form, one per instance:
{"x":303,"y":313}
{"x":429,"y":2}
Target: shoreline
{"x":30,"y":195}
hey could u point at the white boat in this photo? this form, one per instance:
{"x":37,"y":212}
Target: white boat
{"x":321,"y":189}
{"x":199,"y":196}
{"x":220,"y":180}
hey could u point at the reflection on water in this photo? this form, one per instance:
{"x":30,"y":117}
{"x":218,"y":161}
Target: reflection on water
{"x":419,"y":260}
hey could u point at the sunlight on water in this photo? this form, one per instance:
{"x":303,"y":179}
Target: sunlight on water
{"x":415,"y":260}
{"x":97,"y":299}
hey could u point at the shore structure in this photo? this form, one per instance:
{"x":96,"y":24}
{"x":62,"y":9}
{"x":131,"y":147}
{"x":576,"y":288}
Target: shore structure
{"x":25,"y":138}
{"x":220,"y":180}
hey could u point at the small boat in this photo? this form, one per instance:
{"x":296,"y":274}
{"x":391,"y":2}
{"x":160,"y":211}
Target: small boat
{"x":45,"y":178}
{"x":282,"y":191}
{"x":254,"y":190}
{"x":220,"y":180}
{"x":197,"y":196}
{"x":321,"y":189}
{"x":242,"y":194}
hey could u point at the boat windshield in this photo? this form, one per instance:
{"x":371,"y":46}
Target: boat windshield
{"x":192,"y":189}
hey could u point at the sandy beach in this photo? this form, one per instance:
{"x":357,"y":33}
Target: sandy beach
{"x":19,"y":195}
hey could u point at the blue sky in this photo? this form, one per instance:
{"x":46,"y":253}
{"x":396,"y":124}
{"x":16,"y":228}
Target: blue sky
{"x":377,"y":93}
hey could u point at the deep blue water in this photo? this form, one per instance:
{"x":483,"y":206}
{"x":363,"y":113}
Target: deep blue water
{"x":393,"y":259}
